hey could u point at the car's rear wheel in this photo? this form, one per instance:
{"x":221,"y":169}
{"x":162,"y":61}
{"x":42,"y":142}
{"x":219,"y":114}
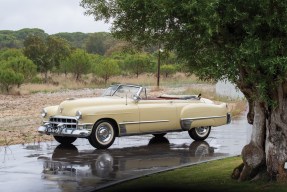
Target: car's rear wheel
{"x":65,"y":140}
{"x":199,"y":133}
{"x":103,"y":134}
{"x":159,"y":134}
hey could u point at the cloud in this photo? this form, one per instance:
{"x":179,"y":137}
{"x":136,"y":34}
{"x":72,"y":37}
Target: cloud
{"x":53,"y":16}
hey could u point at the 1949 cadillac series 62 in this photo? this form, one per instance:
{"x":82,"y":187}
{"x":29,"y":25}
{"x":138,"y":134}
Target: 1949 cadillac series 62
{"x":125,"y":110}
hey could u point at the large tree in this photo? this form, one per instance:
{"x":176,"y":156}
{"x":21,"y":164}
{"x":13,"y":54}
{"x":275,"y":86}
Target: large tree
{"x":46,"y":53}
{"x":244,"y":41}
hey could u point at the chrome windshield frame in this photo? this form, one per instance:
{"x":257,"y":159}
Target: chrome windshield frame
{"x":140,"y":88}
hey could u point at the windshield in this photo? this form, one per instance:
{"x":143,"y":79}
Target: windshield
{"x":122,"y":91}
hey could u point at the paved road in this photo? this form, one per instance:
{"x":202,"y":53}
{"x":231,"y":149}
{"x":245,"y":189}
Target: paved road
{"x":50,"y":167}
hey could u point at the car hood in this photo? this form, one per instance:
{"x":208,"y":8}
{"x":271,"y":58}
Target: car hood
{"x":70,"y":106}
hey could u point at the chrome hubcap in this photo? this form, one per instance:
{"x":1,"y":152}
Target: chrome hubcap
{"x":202,"y":131}
{"x":104,"y":133}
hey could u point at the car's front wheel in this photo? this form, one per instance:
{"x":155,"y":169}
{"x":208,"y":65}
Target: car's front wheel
{"x":65,"y":140}
{"x":199,"y":133}
{"x":103,"y":134}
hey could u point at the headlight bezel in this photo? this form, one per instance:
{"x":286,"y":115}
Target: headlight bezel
{"x":78,"y":115}
{"x":44,"y":113}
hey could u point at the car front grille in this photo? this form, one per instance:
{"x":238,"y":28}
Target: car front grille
{"x":69,"y":122}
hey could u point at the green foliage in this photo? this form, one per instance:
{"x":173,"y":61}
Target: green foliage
{"x":8,"y":41}
{"x":15,"y":39}
{"x":76,"y":39}
{"x":36,"y":50}
{"x":22,"y":34}
{"x":15,"y":69}
{"x":6,"y":54}
{"x":10,"y":78}
{"x":244,"y":41}
{"x":137,"y":63}
{"x":106,"y":68}
{"x":167,"y":69}
{"x":36,"y":80}
{"x":78,"y":63}
{"x":24,"y":66}
{"x":46,"y":53}
{"x":99,"y":43}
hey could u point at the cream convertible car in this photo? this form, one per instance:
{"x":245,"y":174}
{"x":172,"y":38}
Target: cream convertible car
{"x":125,"y":110}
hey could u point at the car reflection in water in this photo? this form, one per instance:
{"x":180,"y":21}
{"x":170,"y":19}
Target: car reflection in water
{"x":78,"y":170}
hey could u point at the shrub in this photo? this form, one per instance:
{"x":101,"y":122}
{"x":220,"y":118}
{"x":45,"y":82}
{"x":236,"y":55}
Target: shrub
{"x":9,"y":79}
{"x":167,"y":70}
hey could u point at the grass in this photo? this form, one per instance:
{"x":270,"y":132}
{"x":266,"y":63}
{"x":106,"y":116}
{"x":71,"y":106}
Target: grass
{"x":210,"y":176}
{"x":237,"y":108}
{"x":57,"y":82}
{"x":151,"y":79}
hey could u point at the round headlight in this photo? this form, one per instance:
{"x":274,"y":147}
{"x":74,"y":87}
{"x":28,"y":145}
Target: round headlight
{"x":44,"y":113}
{"x":78,"y":115}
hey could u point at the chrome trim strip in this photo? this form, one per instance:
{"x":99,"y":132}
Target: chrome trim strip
{"x":141,"y":122}
{"x":63,"y":117}
{"x":146,"y":133}
{"x":81,"y":124}
{"x":54,"y":122}
{"x":201,"y":118}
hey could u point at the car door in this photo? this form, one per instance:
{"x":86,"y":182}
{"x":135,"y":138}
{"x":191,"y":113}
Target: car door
{"x":157,"y":115}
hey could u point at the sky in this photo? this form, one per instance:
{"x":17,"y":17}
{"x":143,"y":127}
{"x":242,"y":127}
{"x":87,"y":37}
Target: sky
{"x":53,"y":16}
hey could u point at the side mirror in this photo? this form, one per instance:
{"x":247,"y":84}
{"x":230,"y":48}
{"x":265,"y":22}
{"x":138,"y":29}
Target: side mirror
{"x":136,"y":98}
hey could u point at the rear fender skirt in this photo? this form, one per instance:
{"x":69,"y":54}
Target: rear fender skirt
{"x":187,"y":122}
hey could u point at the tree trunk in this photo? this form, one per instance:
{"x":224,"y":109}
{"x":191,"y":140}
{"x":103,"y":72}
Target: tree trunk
{"x":276,"y":136}
{"x":46,"y":77}
{"x":77,"y":76}
{"x":267,"y":150}
{"x":106,"y":79}
{"x":253,"y":154}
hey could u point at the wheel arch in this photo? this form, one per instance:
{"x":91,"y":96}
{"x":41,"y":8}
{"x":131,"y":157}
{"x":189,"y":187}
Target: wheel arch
{"x":114,"y":123}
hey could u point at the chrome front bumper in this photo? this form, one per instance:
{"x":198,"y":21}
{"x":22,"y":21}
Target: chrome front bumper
{"x":62,"y":130}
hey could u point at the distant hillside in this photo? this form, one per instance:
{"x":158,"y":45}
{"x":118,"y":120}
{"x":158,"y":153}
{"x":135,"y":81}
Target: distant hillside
{"x":15,"y":39}
{"x":92,"y":42}
{"x":76,"y":39}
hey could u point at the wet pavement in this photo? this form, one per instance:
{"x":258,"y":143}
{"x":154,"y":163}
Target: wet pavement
{"x":50,"y":167}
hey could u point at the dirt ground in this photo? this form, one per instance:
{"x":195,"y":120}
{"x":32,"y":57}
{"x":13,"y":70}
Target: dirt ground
{"x":20,"y":114}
